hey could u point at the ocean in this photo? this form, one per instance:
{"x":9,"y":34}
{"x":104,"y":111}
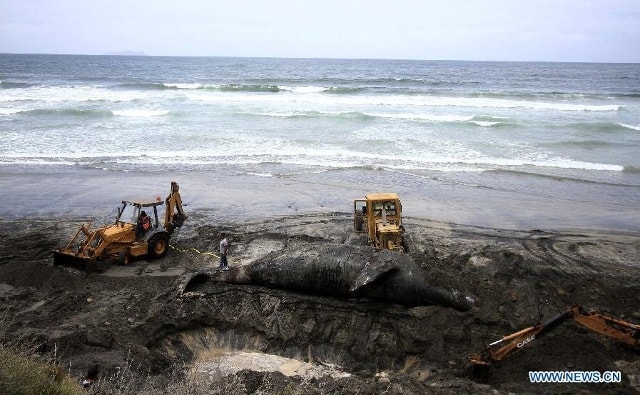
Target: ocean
{"x":498,"y":144}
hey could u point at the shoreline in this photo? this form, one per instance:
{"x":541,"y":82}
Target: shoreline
{"x":52,"y":192}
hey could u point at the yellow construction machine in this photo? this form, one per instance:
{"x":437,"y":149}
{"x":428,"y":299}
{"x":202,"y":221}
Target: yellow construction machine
{"x":129,"y":237}
{"x":614,"y":328}
{"x":380,"y":216}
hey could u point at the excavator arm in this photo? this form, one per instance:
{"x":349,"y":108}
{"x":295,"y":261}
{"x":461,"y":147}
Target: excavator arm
{"x":617,"y":329}
{"x":504,"y":347}
{"x":612,"y":327}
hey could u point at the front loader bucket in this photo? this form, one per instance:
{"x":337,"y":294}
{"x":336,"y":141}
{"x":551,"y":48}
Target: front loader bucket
{"x":67,"y":259}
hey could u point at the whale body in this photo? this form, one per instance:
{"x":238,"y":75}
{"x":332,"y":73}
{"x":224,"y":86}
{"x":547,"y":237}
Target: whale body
{"x":342,"y":271}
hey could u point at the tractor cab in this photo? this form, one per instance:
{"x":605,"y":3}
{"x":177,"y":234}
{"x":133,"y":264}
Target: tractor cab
{"x":142,"y":215}
{"x":380,"y":216}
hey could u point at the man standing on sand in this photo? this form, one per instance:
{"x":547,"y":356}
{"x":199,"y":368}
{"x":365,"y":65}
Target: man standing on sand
{"x":224,"y":248}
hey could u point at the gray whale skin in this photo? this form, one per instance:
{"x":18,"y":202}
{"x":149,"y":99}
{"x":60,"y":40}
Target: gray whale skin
{"x":342,"y":271}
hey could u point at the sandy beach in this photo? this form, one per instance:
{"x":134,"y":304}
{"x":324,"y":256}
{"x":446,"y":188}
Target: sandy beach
{"x":132,"y":316}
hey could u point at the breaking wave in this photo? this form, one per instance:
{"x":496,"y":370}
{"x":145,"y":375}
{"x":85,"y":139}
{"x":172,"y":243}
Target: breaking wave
{"x":14,"y":85}
{"x":140,"y":112}
{"x":66,"y":112}
{"x":632,"y":127}
{"x":85,"y":113}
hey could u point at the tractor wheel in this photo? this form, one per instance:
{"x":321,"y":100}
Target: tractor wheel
{"x":124,"y":258}
{"x":359,"y":223}
{"x":158,"y":246}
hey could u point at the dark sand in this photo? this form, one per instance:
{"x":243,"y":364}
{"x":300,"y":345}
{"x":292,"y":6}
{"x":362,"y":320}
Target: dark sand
{"x":250,"y":338}
{"x":519,"y":255}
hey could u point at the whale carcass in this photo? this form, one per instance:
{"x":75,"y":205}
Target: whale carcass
{"x":339,"y":270}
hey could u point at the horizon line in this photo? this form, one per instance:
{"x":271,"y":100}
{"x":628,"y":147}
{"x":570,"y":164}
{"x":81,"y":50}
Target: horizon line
{"x":142,"y":54}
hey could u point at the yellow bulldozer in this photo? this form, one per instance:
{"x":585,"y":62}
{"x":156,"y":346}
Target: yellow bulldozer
{"x":380,"y":216}
{"x":134,"y":234}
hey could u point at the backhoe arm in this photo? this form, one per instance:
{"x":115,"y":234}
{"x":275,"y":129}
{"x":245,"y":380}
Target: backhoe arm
{"x":502,"y":348}
{"x":617,"y":329}
{"x":174,"y":203}
{"x":612,"y":327}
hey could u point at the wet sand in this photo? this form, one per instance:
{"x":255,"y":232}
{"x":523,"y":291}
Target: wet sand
{"x":52,"y":192}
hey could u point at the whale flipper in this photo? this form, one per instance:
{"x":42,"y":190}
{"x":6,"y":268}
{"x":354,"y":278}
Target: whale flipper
{"x":372,"y":272}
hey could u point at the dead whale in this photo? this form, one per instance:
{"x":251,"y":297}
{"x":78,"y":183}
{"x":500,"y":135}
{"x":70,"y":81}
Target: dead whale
{"x":342,"y":271}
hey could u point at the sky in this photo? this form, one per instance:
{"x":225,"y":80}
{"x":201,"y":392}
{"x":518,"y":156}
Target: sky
{"x":502,"y":30}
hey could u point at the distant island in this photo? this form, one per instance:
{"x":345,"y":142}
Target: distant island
{"x":126,"y":53}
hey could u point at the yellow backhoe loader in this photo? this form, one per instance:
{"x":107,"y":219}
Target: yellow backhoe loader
{"x":134,"y":234}
{"x":380,"y":215}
